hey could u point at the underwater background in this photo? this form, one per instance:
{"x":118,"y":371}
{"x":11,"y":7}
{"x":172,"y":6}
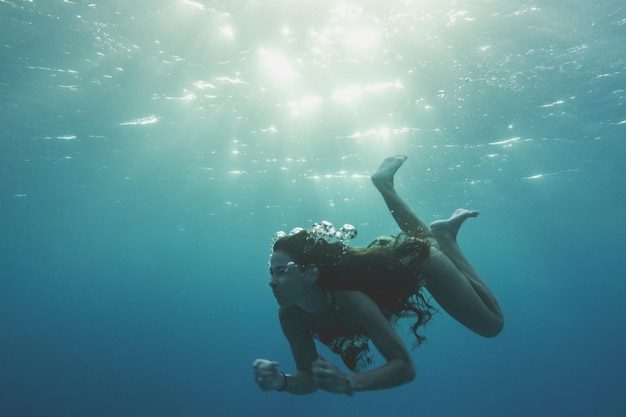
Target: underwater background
{"x":149,"y":150}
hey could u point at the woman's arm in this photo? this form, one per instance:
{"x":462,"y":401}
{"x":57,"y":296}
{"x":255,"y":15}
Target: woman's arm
{"x":295,"y":326}
{"x":399,"y":369}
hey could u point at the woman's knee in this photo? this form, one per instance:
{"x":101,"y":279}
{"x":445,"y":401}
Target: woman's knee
{"x":493,"y":328}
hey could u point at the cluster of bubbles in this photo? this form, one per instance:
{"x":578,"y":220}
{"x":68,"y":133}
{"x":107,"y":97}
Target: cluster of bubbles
{"x":325,"y":231}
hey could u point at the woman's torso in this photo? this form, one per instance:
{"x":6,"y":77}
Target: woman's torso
{"x":342,"y":336}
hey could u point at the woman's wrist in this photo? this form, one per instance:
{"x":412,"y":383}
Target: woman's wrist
{"x":284,"y":385}
{"x":350,"y":387}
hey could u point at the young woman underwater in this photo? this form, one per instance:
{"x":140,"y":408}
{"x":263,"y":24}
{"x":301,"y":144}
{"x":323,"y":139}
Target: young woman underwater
{"x":347,"y":296}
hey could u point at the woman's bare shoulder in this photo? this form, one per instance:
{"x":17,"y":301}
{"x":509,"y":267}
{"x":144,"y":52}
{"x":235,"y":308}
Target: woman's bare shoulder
{"x":355,"y":302}
{"x":349,"y":295}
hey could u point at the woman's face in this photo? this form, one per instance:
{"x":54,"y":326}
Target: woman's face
{"x":287,"y":280}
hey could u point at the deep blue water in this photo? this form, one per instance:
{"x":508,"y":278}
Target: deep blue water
{"x":150,"y":149}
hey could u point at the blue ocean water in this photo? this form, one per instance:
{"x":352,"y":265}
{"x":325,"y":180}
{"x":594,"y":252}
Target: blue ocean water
{"x":150,"y":149}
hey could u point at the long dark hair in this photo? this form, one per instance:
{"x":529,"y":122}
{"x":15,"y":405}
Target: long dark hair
{"x":389,"y":274}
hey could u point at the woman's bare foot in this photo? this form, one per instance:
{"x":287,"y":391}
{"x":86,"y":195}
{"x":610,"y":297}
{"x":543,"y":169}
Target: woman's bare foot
{"x":449,"y":228}
{"x":383,"y":177}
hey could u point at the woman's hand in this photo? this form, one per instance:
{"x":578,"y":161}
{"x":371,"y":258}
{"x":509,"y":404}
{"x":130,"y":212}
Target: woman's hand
{"x":267,"y":375}
{"x":329,"y":378}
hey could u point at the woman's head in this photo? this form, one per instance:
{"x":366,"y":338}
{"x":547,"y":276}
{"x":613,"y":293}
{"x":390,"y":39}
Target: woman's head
{"x":298,"y":264}
{"x":290,"y":281}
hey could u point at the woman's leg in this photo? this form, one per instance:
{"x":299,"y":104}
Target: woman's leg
{"x":449,"y":277}
{"x":401,"y":212}
{"x":454,"y":282}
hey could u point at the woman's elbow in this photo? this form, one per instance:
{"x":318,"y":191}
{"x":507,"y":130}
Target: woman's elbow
{"x":408,"y":373}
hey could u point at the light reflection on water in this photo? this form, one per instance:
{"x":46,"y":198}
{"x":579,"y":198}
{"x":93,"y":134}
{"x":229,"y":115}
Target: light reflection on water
{"x":312,"y":82}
